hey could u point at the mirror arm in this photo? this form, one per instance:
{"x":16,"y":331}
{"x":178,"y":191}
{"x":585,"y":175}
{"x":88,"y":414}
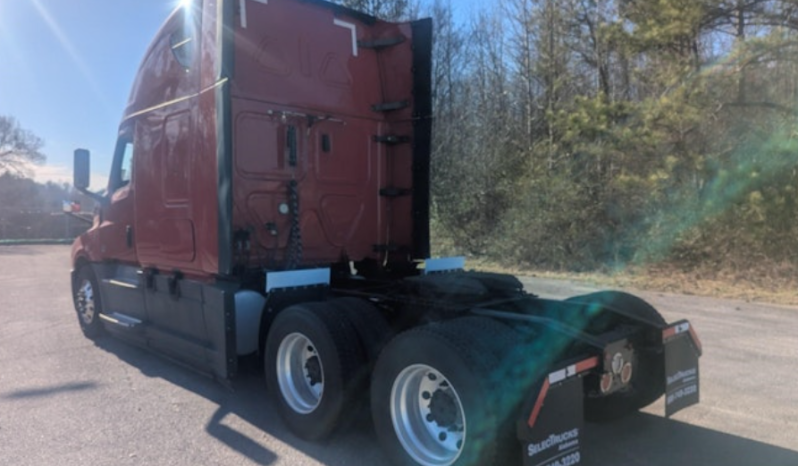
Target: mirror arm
{"x":96,"y":197}
{"x":90,"y":221}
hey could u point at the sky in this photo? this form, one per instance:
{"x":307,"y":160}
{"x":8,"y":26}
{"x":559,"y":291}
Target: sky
{"x":66,"y":68}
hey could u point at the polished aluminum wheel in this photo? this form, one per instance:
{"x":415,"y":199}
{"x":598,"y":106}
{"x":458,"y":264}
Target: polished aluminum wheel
{"x":300,"y":373}
{"x":428,"y":416}
{"x":85,"y":302}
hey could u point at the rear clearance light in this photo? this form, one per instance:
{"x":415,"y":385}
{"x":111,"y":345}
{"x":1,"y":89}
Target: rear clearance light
{"x":680,"y":328}
{"x":605,"y":385}
{"x":617,"y":367}
{"x":626,"y":373}
{"x":557,"y":377}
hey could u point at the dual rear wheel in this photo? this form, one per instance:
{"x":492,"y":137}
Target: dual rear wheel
{"x":443,"y":394}
{"x":432,"y":398}
{"x":314,"y":372}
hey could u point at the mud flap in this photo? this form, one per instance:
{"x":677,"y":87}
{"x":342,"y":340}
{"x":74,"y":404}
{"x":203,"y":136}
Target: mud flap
{"x":552,"y":435}
{"x":682,"y":349}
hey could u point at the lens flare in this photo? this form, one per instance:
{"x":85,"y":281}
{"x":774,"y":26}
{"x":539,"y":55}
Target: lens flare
{"x":70,"y":49}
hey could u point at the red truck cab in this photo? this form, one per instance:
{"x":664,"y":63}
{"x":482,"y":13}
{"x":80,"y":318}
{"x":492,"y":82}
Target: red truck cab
{"x":259,"y":136}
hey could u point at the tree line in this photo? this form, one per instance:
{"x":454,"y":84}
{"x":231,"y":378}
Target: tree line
{"x":31,"y":210}
{"x":582,"y":134}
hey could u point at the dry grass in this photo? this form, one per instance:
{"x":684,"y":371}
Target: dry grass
{"x":767,"y":283}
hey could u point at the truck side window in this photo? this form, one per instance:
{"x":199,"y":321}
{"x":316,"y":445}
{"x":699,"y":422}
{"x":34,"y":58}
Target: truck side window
{"x":182,"y":40}
{"x":126,"y":172}
{"x":123,"y":165}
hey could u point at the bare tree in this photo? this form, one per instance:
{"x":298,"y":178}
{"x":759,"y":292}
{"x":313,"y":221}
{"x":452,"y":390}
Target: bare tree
{"x":391,"y":10}
{"x":18,"y":147}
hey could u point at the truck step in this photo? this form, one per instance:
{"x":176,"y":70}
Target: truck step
{"x":383,"y":248}
{"x":393,"y":192}
{"x":390,"y":106}
{"x":121,"y":321}
{"x":391,"y":140}
{"x":121,"y":282}
{"x":379,"y":44}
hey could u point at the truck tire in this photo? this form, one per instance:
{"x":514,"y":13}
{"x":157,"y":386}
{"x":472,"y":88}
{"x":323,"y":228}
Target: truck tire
{"x":648,"y":381}
{"x":88,"y":304}
{"x":511,"y":373}
{"x":432,"y":401}
{"x":313,"y":364}
{"x":372,"y":328}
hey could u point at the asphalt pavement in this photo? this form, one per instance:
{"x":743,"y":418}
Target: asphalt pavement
{"x":65,"y":400}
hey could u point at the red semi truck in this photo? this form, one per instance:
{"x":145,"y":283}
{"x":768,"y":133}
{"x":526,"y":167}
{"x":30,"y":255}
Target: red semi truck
{"x":269,"y":194}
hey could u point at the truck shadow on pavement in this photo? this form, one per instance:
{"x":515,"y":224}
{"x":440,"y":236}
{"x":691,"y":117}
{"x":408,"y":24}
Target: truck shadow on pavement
{"x":247,"y":399}
{"x":48,"y":391}
{"x":638,"y":440}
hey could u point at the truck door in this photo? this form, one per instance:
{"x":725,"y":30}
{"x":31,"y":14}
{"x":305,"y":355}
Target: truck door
{"x":170,"y":167}
{"x":116,"y":227}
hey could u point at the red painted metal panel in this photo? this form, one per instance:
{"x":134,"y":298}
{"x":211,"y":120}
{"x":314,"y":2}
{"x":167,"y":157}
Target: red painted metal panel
{"x":174,"y":110}
{"x":299,"y":68}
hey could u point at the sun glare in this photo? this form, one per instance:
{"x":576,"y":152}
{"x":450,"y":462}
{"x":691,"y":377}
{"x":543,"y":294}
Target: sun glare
{"x":69,"y":48}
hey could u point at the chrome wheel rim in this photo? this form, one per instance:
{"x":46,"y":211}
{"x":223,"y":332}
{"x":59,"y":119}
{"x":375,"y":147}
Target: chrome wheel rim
{"x":86,"y":309}
{"x":428,"y":416}
{"x":300,"y":373}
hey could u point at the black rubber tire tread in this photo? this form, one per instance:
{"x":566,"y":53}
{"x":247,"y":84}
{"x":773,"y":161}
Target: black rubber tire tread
{"x":371,"y":326}
{"x":648,"y":380}
{"x":511,"y":376}
{"x":373,"y":333}
{"x":496,"y":336}
{"x":342,"y":358}
{"x":94,"y":329}
{"x":507,"y":348}
{"x":467,"y":363}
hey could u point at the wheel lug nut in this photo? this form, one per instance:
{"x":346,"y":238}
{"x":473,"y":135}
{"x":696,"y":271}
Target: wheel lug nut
{"x":442,"y":436}
{"x":426,"y":395}
{"x":433,"y":377}
{"x":429,"y":417}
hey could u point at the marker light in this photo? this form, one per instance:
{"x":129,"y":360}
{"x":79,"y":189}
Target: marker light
{"x":606,"y":383}
{"x":626,"y":373}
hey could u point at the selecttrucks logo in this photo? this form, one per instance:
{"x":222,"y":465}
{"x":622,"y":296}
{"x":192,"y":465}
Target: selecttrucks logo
{"x":687,"y":376}
{"x":565,"y":440}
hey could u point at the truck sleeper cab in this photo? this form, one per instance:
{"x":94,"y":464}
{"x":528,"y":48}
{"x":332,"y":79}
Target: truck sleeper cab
{"x":269,"y":194}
